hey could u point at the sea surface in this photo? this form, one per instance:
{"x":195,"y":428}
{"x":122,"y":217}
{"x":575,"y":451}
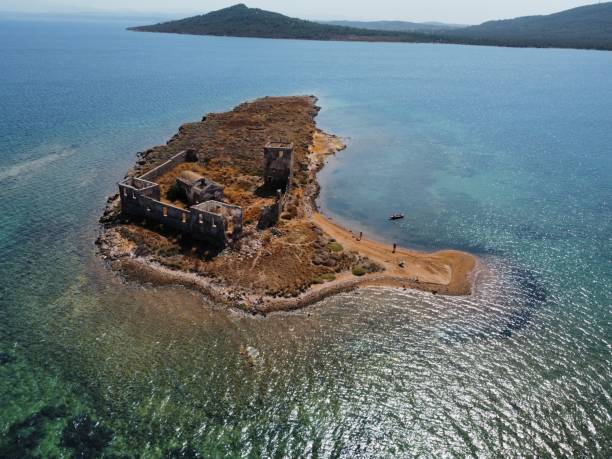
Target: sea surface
{"x":506,"y":153}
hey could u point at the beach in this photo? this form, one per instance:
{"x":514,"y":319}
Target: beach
{"x":445,"y":272}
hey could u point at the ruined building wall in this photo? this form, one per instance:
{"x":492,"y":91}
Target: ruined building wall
{"x":210,"y":220}
{"x":211,"y":192}
{"x":230,"y":214}
{"x":141,"y":197}
{"x":179,"y":158}
{"x":133,"y":192}
{"x":207,"y":226}
{"x":271,"y":214}
{"x":195,"y":193}
{"x":278,"y":165}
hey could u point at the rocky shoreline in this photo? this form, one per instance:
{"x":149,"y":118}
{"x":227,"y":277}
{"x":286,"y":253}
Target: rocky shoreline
{"x":300,"y":261}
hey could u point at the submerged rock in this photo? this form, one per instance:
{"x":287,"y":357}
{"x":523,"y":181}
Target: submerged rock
{"x":534,"y":294}
{"x":251,"y":355}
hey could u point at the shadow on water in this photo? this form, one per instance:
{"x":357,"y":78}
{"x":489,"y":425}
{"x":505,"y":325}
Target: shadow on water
{"x":533,"y":295}
{"x":530,"y":232}
{"x":480,"y":250}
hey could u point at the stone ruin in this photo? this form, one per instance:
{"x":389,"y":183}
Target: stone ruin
{"x":208,"y":218}
{"x":198,"y":189}
{"x":278,"y":165}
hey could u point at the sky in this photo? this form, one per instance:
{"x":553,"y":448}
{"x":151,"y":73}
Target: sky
{"x":452,"y":11}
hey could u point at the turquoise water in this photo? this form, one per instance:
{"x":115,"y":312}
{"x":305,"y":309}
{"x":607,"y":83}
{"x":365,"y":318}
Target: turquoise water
{"x":503,"y":152}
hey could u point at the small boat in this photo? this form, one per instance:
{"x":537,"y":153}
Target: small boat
{"x":396,"y":217}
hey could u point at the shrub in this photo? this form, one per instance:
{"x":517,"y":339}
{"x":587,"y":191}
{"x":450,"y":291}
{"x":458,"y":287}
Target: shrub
{"x":335,"y":247}
{"x":175,"y":193}
{"x":168,"y":251}
{"x":327,"y":277}
{"x":359,"y":270}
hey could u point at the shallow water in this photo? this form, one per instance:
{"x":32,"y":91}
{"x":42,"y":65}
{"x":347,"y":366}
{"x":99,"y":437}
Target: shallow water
{"x":498,"y":151}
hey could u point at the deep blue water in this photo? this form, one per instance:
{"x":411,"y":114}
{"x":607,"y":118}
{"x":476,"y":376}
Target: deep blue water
{"x":502,"y":152}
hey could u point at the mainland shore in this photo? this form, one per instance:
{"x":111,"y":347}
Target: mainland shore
{"x":302,"y":259}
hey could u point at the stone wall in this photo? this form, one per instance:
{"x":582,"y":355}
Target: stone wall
{"x":230,"y":215}
{"x":278,"y":165}
{"x":209,"y":221}
{"x":201,"y":191}
{"x":133,"y":192}
{"x":212,"y":220}
{"x":271,"y":214}
{"x":179,"y":158}
{"x":207,"y":226}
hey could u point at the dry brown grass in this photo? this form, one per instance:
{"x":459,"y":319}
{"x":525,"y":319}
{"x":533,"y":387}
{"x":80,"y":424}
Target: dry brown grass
{"x":239,"y":189}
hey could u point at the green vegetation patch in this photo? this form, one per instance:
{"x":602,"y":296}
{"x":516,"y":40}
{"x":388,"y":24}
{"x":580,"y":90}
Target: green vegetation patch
{"x":584,"y":27}
{"x":327,"y":277}
{"x":359,"y":270}
{"x":176,"y":193}
{"x":242,"y":21}
{"x":335,"y":247}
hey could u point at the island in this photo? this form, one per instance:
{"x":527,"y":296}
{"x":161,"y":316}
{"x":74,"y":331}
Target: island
{"x":584,"y":27}
{"x":242,"y":21}
{"x":227,"y":207}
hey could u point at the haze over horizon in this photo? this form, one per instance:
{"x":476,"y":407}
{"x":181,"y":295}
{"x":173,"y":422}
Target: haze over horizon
{"x":465,"y":12}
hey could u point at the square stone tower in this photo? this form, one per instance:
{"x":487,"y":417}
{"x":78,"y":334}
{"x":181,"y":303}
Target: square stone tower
{"x":278,"y":165}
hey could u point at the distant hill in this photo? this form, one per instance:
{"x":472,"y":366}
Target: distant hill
{"x":396,"y":26}
{"x":583,"y":27}
{"x":587,"y":27}
{"x":241,"y":21}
